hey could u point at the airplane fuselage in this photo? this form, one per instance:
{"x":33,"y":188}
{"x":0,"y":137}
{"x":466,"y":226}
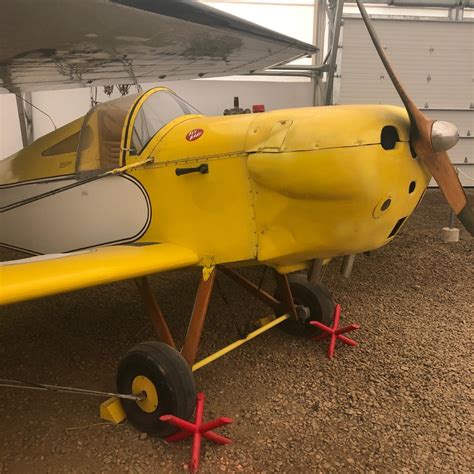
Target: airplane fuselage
{"x":281,"y":188}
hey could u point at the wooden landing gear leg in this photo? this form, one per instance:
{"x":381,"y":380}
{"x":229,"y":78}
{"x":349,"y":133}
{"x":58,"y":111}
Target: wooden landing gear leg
{"x":201,"y":303}
{"x":251,"y":287}
{"x":158,"y":372}
{"x":286,"y":295}
{"x":196,"y":324}
{"x":161,"y":375}
{"x":283,"y":304}
{"x":159,"y":323}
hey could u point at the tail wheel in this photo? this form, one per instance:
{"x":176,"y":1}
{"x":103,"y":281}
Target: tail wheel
{"x":317,"y":302}
{"x":161,"y":374}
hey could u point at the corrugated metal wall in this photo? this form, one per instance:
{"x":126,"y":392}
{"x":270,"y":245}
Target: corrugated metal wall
{"x":434,"y":60}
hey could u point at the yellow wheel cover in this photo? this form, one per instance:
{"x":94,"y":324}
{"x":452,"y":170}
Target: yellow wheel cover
{"x":142,"y":384}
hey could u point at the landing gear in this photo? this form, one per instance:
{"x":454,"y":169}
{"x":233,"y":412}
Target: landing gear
{"x":313,"y":303}
{"x":164,"y":378}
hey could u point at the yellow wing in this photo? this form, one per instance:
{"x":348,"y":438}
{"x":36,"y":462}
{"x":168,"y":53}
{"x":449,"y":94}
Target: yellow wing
{"x":30,"y":278}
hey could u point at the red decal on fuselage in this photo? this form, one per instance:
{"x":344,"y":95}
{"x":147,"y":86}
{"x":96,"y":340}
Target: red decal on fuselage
{"x":194,"y":134}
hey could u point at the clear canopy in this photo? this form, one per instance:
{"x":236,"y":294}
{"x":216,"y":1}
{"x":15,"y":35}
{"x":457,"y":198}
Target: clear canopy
{"x":100,"y":142}
{"x":157,"y":111}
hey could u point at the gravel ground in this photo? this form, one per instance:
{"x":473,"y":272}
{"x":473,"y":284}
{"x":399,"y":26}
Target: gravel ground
{"x":399,"y":402}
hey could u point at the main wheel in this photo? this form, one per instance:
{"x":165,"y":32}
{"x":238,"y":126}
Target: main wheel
{"x":159,"y":372}
{"x":317,"y":303}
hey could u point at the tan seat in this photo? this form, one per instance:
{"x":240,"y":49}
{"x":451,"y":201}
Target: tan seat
{"x":110,"y":126}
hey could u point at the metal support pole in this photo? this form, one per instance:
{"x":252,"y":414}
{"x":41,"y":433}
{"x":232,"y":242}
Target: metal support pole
{"x":196,"y":325}
{"x":334,"y":51}
{"x":451,"y":219}
{"x":319,"y":31}
{"x":154,"y":311}
{"x":330,"y":6}
{"x":347,"y":264}
{"x":25,"y":115}
{"x":452,"y":215}
{"x":424,"y":3}
{"x":316,"y":271}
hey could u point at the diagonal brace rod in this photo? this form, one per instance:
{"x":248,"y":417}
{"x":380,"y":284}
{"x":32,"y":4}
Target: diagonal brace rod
{"x":262,"y":295}
{"x":284,"y":291}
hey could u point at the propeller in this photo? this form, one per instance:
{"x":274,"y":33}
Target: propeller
{"x":430,"y":139}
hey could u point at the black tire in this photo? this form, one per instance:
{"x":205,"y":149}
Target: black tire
{"x":170,"y":375}
{"x":319,"y":301}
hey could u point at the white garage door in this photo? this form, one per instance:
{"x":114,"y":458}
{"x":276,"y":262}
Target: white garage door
{"x":434,"y":60}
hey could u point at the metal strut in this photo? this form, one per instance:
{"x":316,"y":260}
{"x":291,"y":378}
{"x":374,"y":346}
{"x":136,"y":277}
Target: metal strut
{"x":57,"y":388}
{"x":25,"y":116}
{"x":222,"y":352}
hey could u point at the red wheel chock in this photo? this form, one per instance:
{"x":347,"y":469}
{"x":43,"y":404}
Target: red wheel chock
{"x":197,"y":430}
{"x":334,"y":332}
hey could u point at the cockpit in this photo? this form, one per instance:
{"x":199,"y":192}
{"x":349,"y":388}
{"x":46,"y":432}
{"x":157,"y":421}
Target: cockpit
{"x":126,"y":125}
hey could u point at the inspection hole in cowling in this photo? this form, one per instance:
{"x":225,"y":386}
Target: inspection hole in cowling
{"x":412,"y":187}
{"x":389,"y":137}
{"x":386,"y":205}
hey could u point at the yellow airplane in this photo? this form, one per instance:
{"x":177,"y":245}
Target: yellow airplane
{"x":146,"y":184}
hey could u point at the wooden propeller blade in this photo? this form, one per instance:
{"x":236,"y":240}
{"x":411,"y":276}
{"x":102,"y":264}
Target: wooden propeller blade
{"x":438,"y":164}
{"x":443,"y":172}
{"x":409,"y":105}
{"x":466,"y":216}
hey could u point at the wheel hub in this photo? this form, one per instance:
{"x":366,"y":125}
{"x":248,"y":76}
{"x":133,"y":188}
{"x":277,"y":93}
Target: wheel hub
{"x":143,"y":385}
{"x":303,"y":313}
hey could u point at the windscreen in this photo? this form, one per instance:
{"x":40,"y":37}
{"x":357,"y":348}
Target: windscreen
{"x":158,"y":110}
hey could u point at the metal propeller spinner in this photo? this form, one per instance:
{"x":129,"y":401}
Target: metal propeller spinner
{"x":430,"y":139}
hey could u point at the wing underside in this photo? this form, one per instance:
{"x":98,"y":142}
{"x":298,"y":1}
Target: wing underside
{"x":30,"y":278}
{"x":53,"y":44}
